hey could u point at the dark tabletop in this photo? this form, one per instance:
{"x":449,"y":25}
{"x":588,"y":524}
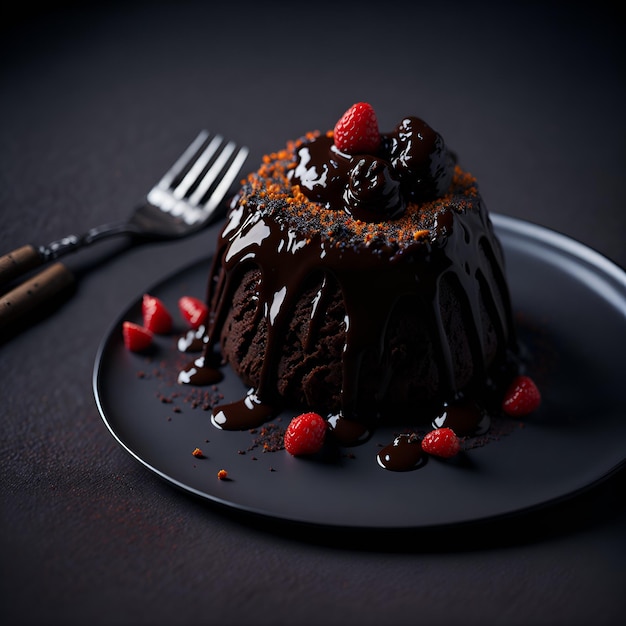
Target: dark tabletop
{"x":94,"y":105}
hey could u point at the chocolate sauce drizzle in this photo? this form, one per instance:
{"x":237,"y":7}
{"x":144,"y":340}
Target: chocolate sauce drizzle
{"x":403,"y":454}
{"x":288,"y":248}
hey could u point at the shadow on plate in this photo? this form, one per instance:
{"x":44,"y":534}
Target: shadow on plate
{"x":592,"y":506}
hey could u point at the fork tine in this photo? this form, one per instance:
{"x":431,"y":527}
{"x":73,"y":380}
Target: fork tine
{"x":183,"y":160}
{"x":227,"y":180}
{"x":212,"y":174}
{"x":189,"y":208}
{"x":194,"y":172}
{"x":201,"y":165}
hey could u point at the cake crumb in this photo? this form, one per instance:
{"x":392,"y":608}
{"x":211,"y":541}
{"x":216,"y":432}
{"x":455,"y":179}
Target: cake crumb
{"x":222,"y":474}
{"x":198,"y":453}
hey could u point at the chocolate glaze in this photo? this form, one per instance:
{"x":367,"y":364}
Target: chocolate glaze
{"x":249,"y":412}
{"x":200,"y":372}
{"x":348,"y":432}
{"x":404,"y":454}
{"x":193,"y":340}
{"x":289,"y":243}
{"x":363,"y":185}
{"x":464,"y":417}
{"x":412,"y":164}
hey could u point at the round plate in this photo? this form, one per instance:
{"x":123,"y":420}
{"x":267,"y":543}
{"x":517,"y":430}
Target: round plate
{"x":570,"y":305}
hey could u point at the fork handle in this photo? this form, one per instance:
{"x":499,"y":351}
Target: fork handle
{"x":28,"y":257}
{"x":18,"y":262}
{"x":35,"y":292}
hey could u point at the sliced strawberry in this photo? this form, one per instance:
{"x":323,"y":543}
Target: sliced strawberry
{"x":193,"y":310}
{"x":156,"y":317}
{"x":442,"y":442}
{"x":357,"y":130}
{"x":136,"y":337}
{"x":522,"y":397}
{"x":305,"y":434}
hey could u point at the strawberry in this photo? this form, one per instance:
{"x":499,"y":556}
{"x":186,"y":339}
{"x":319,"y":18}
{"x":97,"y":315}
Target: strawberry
{"x":136,"y":337}
{"x":441,"y":442}
{"x":305,"y":434}
{"x":522,"y":397}
{"x":156,"y":317}
{"x":193,"y":310}
{"x":357,"y":130}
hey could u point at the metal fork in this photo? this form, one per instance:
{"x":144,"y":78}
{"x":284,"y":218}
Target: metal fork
{"x":185,"y":200}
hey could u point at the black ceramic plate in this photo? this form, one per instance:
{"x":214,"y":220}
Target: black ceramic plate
{"x":570,"y":303}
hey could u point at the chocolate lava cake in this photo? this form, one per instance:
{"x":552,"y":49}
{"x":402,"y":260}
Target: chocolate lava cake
{"x":358,"y":275}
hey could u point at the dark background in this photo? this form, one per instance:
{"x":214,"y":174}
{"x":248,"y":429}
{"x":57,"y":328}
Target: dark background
{"x":96,"y":99}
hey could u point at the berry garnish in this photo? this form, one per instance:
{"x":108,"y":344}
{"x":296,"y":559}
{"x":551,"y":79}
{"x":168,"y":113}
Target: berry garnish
{"x":357,"y":130}
{"x":193,"y":310}
{"x":136,"y":337}
{"x":522,"y":397}
{"x":305,"y":434}
{"x":441,"y":442}
{"x":156,"y":317}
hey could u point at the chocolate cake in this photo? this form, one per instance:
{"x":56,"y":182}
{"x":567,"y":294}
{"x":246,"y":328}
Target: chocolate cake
{"x":361,"y":279}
